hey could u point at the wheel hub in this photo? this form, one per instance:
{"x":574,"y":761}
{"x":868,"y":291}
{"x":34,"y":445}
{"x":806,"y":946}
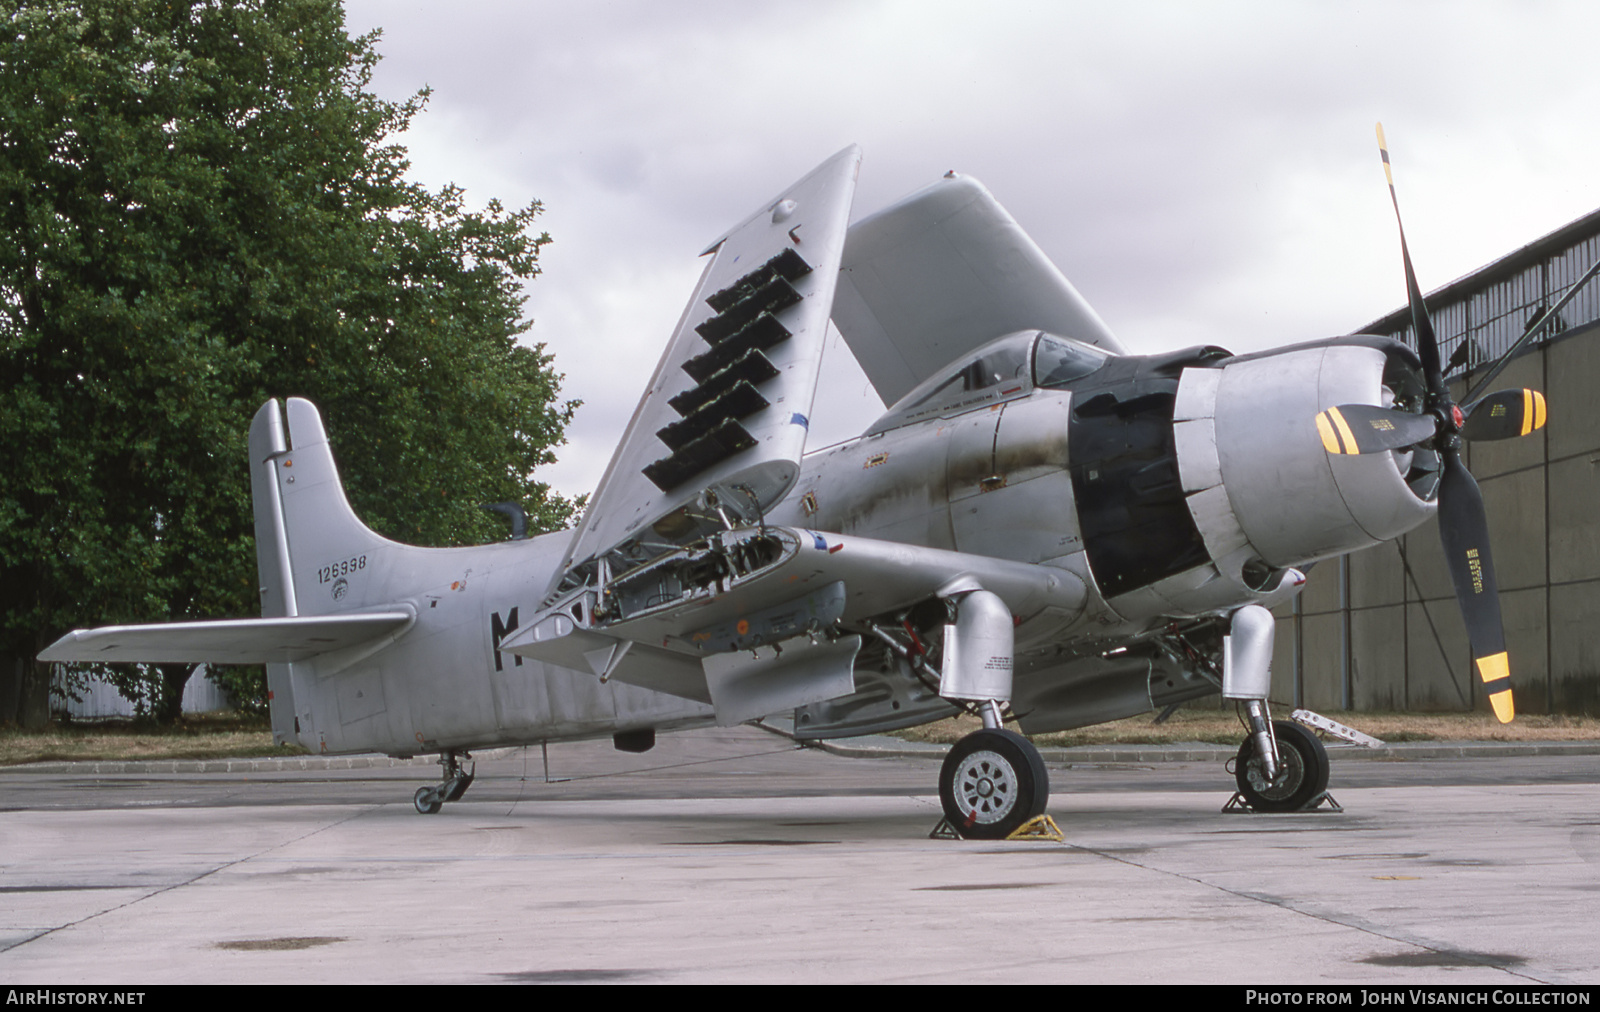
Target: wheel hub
{"x":1290,"y":774}
{"x":986,"y":788}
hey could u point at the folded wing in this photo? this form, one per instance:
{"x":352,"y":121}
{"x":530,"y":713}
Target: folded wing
{"x":944,"y":271}
{"x":719,"y":432}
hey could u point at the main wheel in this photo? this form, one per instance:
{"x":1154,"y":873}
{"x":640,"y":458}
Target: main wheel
{"x":992,"y":782}
{"x":427,"y":800}
{"x":1303,"y":774}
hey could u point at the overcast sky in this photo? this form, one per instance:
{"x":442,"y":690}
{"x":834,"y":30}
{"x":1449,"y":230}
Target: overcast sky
{"x":1204,"y":173}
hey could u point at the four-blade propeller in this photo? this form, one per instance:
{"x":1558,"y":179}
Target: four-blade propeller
{"x":1441,"y":426}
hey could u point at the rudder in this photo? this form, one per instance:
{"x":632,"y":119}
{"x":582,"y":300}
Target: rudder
{"x":267,"y":442}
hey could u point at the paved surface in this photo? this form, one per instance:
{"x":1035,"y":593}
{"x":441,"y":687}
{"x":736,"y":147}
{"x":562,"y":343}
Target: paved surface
{"x":731,"y":856}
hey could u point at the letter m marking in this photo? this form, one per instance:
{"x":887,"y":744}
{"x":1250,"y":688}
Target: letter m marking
{"x":497,"y":632}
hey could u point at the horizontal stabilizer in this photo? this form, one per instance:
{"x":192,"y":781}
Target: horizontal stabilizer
{"x":227,"y":641}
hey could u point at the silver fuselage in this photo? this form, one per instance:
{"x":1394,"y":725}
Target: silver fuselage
{"x":1172,"y":489}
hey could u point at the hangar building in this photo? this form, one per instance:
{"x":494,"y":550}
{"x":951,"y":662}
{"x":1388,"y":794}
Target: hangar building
{"x":1380,"y":630}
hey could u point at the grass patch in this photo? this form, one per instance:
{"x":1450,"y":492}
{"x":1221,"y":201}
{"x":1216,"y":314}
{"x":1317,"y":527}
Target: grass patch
{"x":1222,"y":727}
{"x":197,"y":736}
{"x":232,"y":736}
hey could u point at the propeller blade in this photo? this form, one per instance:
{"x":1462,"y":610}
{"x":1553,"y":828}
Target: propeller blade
{"x":1506,"y":414}
{"x":1427,"y":343}
{"x":1463,"y":526}
{"x":1367,"y":428}
{"x":1464,"y":530}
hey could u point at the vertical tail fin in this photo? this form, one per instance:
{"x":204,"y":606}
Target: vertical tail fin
{"x":314,"y":555}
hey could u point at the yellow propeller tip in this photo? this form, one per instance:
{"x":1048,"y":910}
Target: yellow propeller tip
{"x":1504,"y":711}
{"x":1495,"y":670}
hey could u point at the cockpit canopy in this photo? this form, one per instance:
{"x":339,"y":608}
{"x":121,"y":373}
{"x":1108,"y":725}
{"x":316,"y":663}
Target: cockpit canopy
{"x":1059,"y":362}
{"x":1006,"y":368}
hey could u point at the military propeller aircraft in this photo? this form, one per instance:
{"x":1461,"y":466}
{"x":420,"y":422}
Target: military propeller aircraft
{"x":1041,"y":528}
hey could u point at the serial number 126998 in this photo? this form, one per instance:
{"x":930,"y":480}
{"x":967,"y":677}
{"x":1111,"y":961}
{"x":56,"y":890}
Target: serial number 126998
{"x":344,"y":567}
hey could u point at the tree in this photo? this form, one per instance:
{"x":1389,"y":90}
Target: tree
{"x":204,"y":207}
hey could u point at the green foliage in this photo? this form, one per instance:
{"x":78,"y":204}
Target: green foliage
{"x":203,"y":206}
{"x":246,"y":687}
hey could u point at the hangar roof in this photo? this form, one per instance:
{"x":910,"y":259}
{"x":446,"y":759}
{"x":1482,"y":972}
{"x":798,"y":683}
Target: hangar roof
{"x":1495,"y":303}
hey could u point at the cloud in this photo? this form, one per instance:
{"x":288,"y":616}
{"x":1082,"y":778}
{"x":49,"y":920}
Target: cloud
{"x":1203,"y":173}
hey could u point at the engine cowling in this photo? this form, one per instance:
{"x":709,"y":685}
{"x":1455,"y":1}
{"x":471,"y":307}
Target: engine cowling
{"x":1255,"y":470}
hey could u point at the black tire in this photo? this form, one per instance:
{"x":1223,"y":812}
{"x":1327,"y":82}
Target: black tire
{"x":427,"y":800}
{"x":992,"y":782}
{"x":1305,"y":773}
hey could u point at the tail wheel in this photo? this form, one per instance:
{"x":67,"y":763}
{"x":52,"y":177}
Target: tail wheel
{"x":992,"y":782}
{"x":427,"y":800}
{"x":1302,"y":776}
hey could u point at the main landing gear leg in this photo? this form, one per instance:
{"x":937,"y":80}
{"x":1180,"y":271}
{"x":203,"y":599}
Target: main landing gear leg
{"x":454,"y":783}
{"x":994,"y":780}
{"x":1281,"y":767}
